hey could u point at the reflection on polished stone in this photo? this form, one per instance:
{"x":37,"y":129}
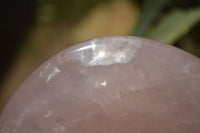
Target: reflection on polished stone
{"x":118,"y":84}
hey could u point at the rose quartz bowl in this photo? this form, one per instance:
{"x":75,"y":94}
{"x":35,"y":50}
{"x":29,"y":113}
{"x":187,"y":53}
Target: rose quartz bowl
{"x":117,"y":84}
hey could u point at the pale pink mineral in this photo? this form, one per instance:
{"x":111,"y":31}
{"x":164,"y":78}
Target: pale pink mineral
{"x":118,"y":84}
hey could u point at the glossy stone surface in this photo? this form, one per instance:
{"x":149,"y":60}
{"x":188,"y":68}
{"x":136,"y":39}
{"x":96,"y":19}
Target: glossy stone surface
{"x":118,"y":84}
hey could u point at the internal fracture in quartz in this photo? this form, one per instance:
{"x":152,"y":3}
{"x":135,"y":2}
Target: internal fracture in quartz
{"x":117,"y":84}
{"x":106,"y":53}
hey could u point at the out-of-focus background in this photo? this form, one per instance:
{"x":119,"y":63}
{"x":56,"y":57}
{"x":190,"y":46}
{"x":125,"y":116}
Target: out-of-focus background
{"x":31,"y":31}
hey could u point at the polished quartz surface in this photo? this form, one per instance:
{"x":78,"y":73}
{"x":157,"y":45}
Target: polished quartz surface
{"x":117,"y":84}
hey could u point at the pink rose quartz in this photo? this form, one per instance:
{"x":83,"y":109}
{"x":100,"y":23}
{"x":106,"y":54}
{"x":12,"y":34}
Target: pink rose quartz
{"x":117,"y":84}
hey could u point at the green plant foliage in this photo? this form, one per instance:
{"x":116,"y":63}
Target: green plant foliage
{"x":150,"y":10}
{"x":174,"y":25}
{"x":70,"y":10}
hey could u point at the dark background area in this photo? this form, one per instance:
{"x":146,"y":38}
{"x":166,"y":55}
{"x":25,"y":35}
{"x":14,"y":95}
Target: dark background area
{"x":16,"y":17}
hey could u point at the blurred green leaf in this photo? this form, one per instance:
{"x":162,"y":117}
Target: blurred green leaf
{"x":174,"y":25}
{"x":70,"y":10}
{"x":150,"y":10}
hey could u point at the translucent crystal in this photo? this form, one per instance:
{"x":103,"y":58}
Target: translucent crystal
{"x":117,"y":84}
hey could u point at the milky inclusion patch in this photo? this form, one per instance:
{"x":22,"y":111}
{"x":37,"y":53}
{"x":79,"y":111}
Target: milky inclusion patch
{"x":106,"y":51}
